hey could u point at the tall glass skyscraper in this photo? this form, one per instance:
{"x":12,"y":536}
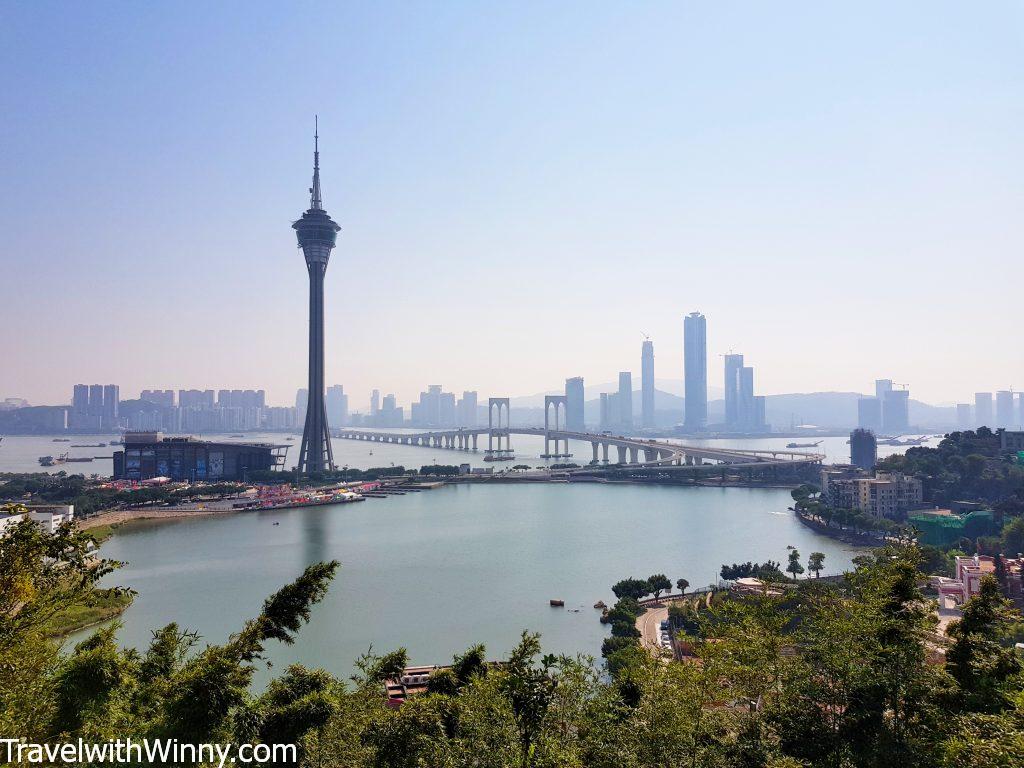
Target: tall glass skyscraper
{"x":647,"y":384}
{"x":695,"y":364}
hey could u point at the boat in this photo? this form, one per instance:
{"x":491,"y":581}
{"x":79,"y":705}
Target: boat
{"x":62,"y":439}
{"x":803,"y":445}
{"x":77,"y":458}
{"x":556,"y":603}
{"x":88,"y":445}
{"x":50,"y":461}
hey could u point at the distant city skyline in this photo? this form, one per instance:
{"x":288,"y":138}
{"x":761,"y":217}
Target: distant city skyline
{"x":523,"y":192}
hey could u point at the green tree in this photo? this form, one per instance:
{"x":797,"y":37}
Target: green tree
{"x":658,"y":583}
{"x":816,"y":562}
{"x":682,"y":585}
{"x":634,"y":588}
{"x":1013,"y":537}
{"x":794,"y":567}
{"x":976,"y":660}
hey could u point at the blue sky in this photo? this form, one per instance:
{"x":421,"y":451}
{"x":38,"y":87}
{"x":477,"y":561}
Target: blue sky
{"x":523,"y":190}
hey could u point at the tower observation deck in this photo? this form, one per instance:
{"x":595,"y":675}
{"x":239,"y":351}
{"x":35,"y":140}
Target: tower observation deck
{"x":316,"y":233}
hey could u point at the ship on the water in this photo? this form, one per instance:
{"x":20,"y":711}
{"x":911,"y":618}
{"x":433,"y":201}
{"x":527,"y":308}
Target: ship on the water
{"x":803,"y":445}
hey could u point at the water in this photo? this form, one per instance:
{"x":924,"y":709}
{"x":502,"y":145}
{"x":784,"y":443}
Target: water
{"x":20,"y":453}
{"x":440,"y":570}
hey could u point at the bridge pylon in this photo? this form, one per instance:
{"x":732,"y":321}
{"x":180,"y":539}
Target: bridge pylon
{"x":496,"y":429}
{"x":559,"y":404}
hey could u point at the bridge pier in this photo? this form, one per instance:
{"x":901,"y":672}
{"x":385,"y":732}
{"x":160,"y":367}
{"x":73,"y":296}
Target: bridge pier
{"x":622,"y":453}
{"x":474,"y":441}
{"x":604,"y":452}
{"x":634,"y":455}
{"x":594,"y":448}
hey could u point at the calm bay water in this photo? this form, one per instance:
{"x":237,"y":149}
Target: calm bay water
{"x":439,"y":570}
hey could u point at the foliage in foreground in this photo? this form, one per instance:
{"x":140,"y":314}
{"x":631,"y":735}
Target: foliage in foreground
{"x":820,"y":676}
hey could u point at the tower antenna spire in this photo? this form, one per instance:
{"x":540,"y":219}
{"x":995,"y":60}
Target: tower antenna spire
{"x":315,"y":202}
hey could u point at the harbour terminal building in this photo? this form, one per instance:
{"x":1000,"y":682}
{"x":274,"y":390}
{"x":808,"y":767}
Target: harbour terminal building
{"x":149,"y":454}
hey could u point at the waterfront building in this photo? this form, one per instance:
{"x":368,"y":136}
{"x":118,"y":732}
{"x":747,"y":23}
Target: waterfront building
{"x":149,"y":454}
{"x":448,"y":410}
{"x":647,"y":384}
{"x":391,"y":415}
{"x":869,"y":413}
{"x":896,"y":411}
{"x":161,"y":397}
{"x":733,"y":364}
{"x":964,"y":416}
{"x":80,"y":399}
{"x":337,"y":405}
{"x":196,"y":398}
{"x":983,"y":409}
{"x":882,"y":387}
{"x":316,"y":233}
{"x":695,"y":372}
{"x":625,"y":400}
{"x":374,"y":403}
{"x":467,"y":408}
{"x":605,"y":418}
{"x":49,"y":517}
{"x":574,"y":402}
{"x":863,"y":448}
{"x":1004,"y":409}
{"x":886,"y":494}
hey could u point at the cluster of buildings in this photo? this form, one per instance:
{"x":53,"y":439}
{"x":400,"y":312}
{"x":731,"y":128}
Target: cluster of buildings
{"x":888,"y":412}
{"x":439,"y":409}
{"x":94,"y":407}
{"x":1005,"y":409}
{"x":206,"y":410}
{"x":881,"y":494}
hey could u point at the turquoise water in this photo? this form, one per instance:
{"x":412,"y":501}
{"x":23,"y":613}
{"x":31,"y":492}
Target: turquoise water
{"x":440,"y":570}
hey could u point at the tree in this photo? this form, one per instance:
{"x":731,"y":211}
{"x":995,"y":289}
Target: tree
{"x":976,"y":660}
{"x":682,"y":585}
{"x":634,"y":588}
{"x":1013,"y":536}
{"x":816,"y":562}
{"x":659,"y":583}
{"x":529,"y":688}
{"x":794,"y":566}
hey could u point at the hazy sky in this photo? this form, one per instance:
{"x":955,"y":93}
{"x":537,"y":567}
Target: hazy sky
{"x":523,"y":189}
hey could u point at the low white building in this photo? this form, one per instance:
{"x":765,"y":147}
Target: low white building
{"x":49,"y":517}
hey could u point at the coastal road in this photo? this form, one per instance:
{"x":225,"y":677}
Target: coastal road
{"x":650,"y":627}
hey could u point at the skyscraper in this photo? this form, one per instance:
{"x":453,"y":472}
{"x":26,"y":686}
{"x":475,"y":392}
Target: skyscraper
{"x":647,"y":384}
{"x":1004,"y":409}
{"x":316,"y":233}
{"x":983,"y":409}
{"x":881,"y":387}
{"x":374,"y":403}
{"x":733,"y":364}
{"x":574,"y":400}
{"x":964,"y":416}
{"x":467,"y":408}
{"x":863,"y":448}
{"x":869,"y":413}
{"x":695,"y":371}
{"x":625,"y":400}
{"x":896,"y":411}
{"x":112,"y":404}
{"x":337,"y":405}
{"x":746,"y":417}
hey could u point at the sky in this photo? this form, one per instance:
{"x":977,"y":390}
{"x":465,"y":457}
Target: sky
{"x":524,"y":191}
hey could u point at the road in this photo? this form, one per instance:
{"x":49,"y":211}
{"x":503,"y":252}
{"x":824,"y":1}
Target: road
{"x":650,"y":626}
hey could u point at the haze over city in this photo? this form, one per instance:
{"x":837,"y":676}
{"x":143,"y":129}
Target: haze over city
{"x":523,"y":192}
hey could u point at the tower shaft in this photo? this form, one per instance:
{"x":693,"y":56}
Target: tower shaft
{"x":315,"y":454}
